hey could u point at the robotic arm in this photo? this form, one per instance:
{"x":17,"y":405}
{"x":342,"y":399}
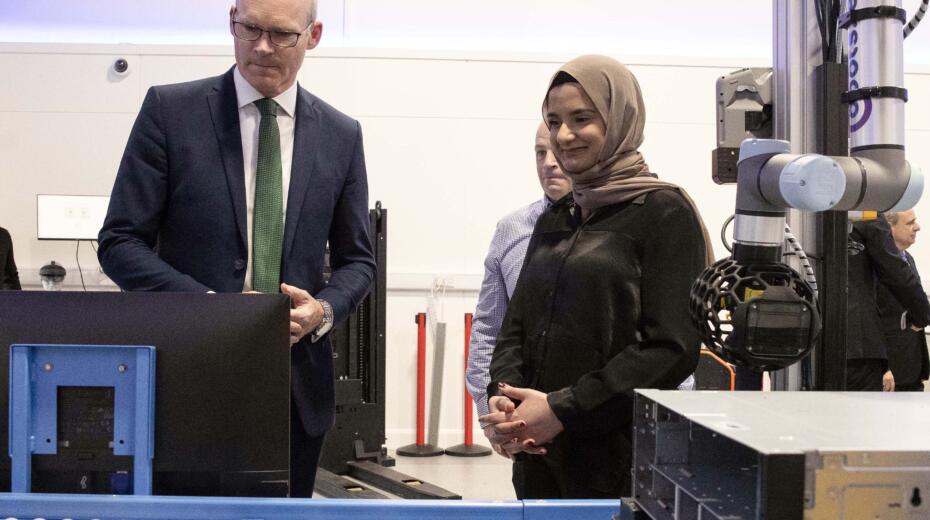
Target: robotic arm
{"x":751,"y":308}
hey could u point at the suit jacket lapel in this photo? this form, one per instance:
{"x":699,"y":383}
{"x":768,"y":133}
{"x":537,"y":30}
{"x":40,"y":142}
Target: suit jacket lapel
{"x":303,"y":164}
{"x":224,"y":110}
{"x":910,"y":262}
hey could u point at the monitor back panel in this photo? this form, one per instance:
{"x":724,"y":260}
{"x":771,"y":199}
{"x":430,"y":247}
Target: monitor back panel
{"x":222,"y":375}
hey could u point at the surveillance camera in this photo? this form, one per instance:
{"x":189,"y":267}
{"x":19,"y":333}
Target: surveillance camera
{"x":121,"y":66}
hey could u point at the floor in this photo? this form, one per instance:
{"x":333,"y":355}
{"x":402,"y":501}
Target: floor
{"x":479,"y":478}
{"x":485,"y":478}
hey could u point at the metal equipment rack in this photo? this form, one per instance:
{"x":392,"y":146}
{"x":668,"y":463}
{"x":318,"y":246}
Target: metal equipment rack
{"x":784,"y":455}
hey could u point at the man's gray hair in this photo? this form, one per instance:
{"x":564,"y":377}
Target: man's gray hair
{"x":891,"y":217}
{"x":311,"y":11}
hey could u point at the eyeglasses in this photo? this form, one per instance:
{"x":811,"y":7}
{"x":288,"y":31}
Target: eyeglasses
{"x":250,"y":33}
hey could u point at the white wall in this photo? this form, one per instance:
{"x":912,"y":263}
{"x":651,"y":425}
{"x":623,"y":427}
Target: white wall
{"x":710,"y":28}
{"x":449,"y":141}
{"x":658,"y":27}
{"x":448,"y":122}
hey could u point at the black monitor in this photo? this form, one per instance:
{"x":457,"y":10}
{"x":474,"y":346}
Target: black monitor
{"x":222,"y":390}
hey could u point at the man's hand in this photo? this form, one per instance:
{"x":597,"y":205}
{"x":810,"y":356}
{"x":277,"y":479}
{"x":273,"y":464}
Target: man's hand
{"x":306,"y":312}
{"x":488,"y":430}
{"x":500,"y":409}
{"x":888,"y":382}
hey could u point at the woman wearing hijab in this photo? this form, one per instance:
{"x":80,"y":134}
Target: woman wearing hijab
{"x":601,"y":306}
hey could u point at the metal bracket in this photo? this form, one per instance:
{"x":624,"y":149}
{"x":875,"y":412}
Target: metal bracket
{"x":883,"y":11}
{"x":874,"y":92}
{"x":38,"y":372}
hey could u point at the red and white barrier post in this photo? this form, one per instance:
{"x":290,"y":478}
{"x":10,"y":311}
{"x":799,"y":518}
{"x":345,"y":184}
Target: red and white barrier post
{"x":468,"y":448}
{"x":420,"y":448}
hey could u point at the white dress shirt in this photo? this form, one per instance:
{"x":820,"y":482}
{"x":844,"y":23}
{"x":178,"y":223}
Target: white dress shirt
{"x":249,"y":119}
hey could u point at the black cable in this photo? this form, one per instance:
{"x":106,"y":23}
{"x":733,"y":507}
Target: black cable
{"x":918,"y":16}
{"x":827,"y":39}
{"x":836,"y":47}
{"x":803,"y":259}
{"x":93,"y":245}
{"x":723,"y":232}
{"x":818,"y":11}
{"x":839,"y":8}
{"x":834,"y":31}
{"x":828,"y":13}
{"x":821,"y":24}
{"x":809,"y":276}
{"x":77,"y":258}
{"x":807,"y":382}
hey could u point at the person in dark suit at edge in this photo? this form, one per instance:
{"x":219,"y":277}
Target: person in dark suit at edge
{"x":874,"y":261}
{"x":908,"y":359}
{"x":236,"y":183}
{"x":9,"y":276}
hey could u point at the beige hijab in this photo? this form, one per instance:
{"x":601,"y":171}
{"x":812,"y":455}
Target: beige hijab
{"x":620,"y":174}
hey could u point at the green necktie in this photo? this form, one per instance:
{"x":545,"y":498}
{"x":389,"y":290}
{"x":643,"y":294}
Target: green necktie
{"x":268,"y":224}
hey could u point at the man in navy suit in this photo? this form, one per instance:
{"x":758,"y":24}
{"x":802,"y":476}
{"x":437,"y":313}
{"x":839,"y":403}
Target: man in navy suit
{"x":874,"y":261}
{"x":908,"y":358}
{"x":185,"y":216}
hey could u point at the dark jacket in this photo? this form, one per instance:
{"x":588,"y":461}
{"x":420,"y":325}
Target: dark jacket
{"x":9,"y":276}
{"x":177,"y":215}
{"x":876,"y":260}
{"x":907,"y":349}
{"x":601,"y":308}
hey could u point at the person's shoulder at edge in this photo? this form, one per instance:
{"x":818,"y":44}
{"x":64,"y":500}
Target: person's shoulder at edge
{"x":665,"y":202}
{"x":667,"y":197}
{"x":653,"y":205}
{"x":555,"y":216}
{"x":522,"y":216}
{"x":193,"y":86}
{"x":334,"y":115}
{"x":176,"y":99}
{"x":878,"y":226}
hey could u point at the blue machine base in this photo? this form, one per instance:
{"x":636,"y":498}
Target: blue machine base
{"x":83,"y":507}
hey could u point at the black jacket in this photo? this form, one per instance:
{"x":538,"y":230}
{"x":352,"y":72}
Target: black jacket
{"x":601,"y":308}
{"x":879,"y":262}
{"x":907,"y":349}
{"x":9,"y":276}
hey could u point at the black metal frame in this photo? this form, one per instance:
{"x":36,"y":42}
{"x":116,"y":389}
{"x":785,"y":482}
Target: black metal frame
{"x":358,"y":352}
{"x":833,"y":233}
{"x":355,"y":445}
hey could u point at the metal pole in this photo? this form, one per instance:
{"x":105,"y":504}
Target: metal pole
{"x":466,"y":403}
{"x":435,"y":398}
{"x":799,"y":114}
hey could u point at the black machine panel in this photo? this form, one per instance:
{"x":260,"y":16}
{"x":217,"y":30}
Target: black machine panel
{"x":358,"y":349}
{"x":85,"y":419}
{"x":222,"y":388}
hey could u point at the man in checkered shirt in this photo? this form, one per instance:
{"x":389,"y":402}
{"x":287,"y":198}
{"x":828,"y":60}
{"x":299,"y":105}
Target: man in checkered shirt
{"x":502,"y":268}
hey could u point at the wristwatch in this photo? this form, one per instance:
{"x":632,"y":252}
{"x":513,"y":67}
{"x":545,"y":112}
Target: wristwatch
{"x":327,"y":322}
